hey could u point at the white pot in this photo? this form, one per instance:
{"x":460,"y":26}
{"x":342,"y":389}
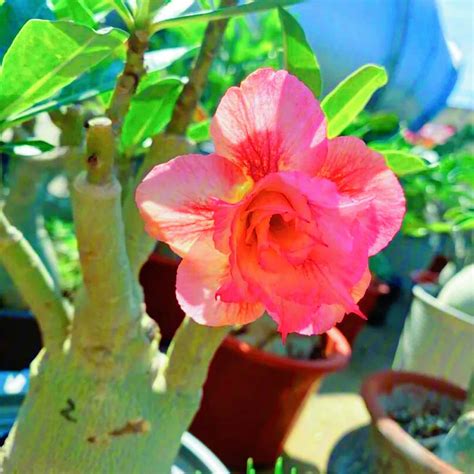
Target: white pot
{"x":436,"y":340}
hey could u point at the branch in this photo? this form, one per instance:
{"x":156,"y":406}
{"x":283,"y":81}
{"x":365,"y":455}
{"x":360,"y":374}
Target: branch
{"x":35,"y":285}
{"x":127,"y":82}
{"x":193,"y":90}
{"x":190,"y":355}
{"x":108,"y":308}
{"x":71,"y":125}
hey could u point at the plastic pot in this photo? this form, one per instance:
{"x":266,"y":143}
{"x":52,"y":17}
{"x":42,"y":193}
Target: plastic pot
{"x":158,"y":279}
{"x":436,"y":340}
{"x":397,"y":451}
{"x":252,"y":398}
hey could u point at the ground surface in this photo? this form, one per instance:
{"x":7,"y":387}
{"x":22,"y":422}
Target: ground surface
{"x":338,"y":408}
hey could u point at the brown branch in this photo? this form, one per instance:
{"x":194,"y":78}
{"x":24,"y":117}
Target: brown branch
{"x":193,"y":90}
{"x":128,"y":81}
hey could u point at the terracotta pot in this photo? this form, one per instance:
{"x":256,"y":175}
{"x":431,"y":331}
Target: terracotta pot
{"x":252,"y":398}
{"x":158,"y":279}
{"x":397,"y":450}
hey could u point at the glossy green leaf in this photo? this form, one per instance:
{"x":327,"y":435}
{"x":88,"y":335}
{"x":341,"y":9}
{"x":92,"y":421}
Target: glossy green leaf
{"x":403,"y":163}
{"x":342,"y":105}
{"x":300,"y":59}
{"x":35,"y":68}
{"x":200,"y":132}
{"x":25,"y":147}
{"x":15,"y":13}
{"x":77,"y":11}
{"x":98,"y":6}
{"x":172,"y":9}
{"x":221,"y":13}
{"x":100,"y":80}
{"x":465,"y":224}
{"x":150,"y":110}
{"x":163,"y":58}
{"x":206,"y":4}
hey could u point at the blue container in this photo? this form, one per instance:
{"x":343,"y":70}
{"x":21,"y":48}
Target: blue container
{"x":404,"y":36}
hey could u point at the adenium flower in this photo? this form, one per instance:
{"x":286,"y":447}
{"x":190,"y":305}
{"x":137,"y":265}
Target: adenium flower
{"x":430,"y":135}
{"x":279,"y":218}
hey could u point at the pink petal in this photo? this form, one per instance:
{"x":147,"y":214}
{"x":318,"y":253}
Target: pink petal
{"x":307,"y":269}
{"x":271,"y":122}
{"x":362,"y":174}
{"x":177,"y":199}
{"x":308,"y":320}
{"x":200,"y":275}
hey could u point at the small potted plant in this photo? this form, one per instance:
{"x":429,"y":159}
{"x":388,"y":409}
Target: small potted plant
{"x":411,"y":413}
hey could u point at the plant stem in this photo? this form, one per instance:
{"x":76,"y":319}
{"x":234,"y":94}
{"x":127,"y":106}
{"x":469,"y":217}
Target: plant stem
{"x":125,"y":88}
{"x":71,"y":124}
{"x":35,"y":284}
{"x":190,"y":354}
{"x":192,"y":91}
{"x":128,"y":81}
{"x":100,"y":151}
{"x":108,"y":308}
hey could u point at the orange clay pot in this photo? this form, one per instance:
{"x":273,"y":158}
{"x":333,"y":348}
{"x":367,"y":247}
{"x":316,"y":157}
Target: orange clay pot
{"x":252,"y":398}
{"x":397,"y":450}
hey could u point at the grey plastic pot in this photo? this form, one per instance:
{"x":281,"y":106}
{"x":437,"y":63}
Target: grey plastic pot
{"x":193,"y":455}
{"x":437,"y":340}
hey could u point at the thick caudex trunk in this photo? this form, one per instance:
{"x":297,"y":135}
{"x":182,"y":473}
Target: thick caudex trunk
{"x":102,"y":398}
{"x":81,"y":419}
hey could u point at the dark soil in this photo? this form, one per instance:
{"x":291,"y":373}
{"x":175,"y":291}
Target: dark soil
{"x":425,"y":415}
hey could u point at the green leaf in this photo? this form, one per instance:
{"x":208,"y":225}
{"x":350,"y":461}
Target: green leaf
{"x":46,"y":56}
{"x":150,"y":110}
{"x":206,"y":4}
{"x":172,"y":9}
{"x":163,"y":58}
{"x":77,"y":11}
{"x":98,"y":6}
{"x":465,"y":224}
{"x":121,"y":8}
{"x":348,"y":99}
{"x":300,"y":59}
{"x":403,"y":163}
{"x":15,"y":13}
{"x":200,"y":132}
{"x":25,"y":147}
{"x":101,"y":79}
{"x":440,"y":227}
{"x":220,"y":13}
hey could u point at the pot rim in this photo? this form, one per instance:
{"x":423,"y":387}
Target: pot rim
{"x":420,"y":293}
{"x":384,"y":382}
{"x":340,"y":353}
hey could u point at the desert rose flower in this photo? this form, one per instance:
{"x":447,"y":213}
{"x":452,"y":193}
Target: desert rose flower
{"x":279,"y":218}
{"x":430,"y":135}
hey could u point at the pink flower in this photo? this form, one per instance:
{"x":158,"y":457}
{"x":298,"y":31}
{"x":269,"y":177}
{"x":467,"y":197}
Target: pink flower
{"x":279,"y":218}
{"x":430,"y":135}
